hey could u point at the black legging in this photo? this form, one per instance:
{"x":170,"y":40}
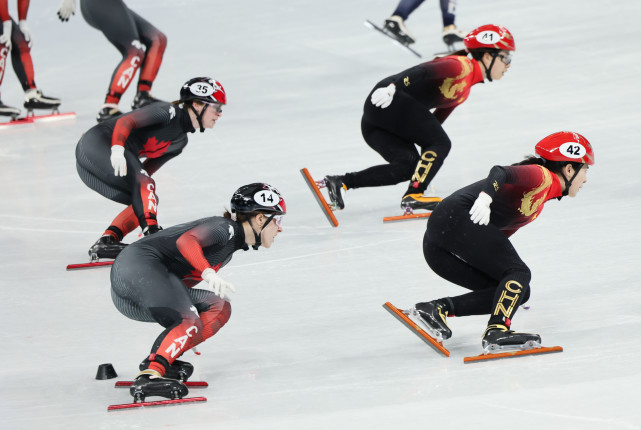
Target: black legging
{"x":93,"y":163}
{"x":143,"y":289}
{"x":393,"y":133}
{"x":140,"y":43}
{"x":479,"y":258}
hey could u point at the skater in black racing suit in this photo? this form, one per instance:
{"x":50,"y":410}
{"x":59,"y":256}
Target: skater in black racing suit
{"x":108,"y":156}
{"x":152,"y":281}
{"x":467,"y":238}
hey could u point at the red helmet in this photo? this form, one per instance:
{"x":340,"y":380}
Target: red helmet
{"x":490,"y":36}
{"x":566,"y":146}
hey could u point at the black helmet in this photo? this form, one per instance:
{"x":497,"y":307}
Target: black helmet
{"x":258,"y":197}
{"x":204,"y":89}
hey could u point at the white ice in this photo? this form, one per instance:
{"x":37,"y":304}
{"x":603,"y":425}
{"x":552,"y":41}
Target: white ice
{"x":309,"y":345}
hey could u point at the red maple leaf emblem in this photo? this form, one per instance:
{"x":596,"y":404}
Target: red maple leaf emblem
{"x":154,"y":148}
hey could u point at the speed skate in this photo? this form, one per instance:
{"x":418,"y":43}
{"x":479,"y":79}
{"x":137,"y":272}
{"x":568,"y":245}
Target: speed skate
{"x":315,"y":187}
{"x":495,"y":352}
{"x":410,"y":320}
{"x":32,"y":118}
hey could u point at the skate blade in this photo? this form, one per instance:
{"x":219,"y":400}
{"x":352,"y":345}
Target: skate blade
{"x":89,"y":265}
{"x":156,"y":403}
{"x":190,"y":384}
{"x":404,"y":317}
{"x":514,"y":353}
{"x":405,"y":217}
{"x":326,"y":208}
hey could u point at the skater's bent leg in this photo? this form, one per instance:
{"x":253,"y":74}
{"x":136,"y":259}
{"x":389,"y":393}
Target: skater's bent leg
{"x":513,"y":290}
{"x":453,"y":269}
{"x":435,"y":147}
{"x":155,"y":42}
{"x":406,"y":7}
{"x":214,"y":311}
{"x":21,"y":59}
{"x":123,"y":224}
{"x":145,"y":200}
{"x":448,"y":12}
{"x":401,"y":155}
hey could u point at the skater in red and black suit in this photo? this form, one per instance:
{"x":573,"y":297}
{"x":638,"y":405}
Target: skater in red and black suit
{"x":152,"y":280}
{"x":467,"y":238}
{"x":17,"y":40}
{"x":140,"y":43}
{"x":397,"y":116}
{"x":108,"y":156}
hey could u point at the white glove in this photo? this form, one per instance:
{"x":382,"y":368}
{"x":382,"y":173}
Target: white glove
{"x":67,"y":8}
{"x":118,"y":161}
{"x":218,"y":285}
{"x":382,"y":97}
{"x":480,"y":212}
{"x":25,"y":30}
{"x":5,"y":39}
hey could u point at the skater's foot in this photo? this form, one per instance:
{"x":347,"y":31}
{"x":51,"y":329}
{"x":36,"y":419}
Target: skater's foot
{"x":143,"y":98}
{"x":180,"y":370}
{"x":451,"y":35}
{"x":412,"y":202}
{"x":8,"y":110}
{"x":434,"y":315}
{"x":34,"y":99}
{"x":108,"y":111}
{"x":150,"y":383}
{"x":106,"y":247}
{"x":336,"y":189}
{"x":497,"y":336}
{"x":395,"y":26}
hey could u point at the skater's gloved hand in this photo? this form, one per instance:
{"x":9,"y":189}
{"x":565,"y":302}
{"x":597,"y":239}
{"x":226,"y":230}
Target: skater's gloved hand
{"x":5,"y":39}
{"x":25,"y":31}
{"x":118,"y":161}
{"x":67,"y":8}
{"x":218,"y":285}
{"x":480,"y":212}
{"x":382,"y":97}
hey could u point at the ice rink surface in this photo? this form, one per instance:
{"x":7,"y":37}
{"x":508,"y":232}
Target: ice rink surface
{"x":309,"y":345}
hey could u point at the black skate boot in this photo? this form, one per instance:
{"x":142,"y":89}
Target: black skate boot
{"x":395,"y":27}
{"x":180,"y":370}
{"x":108,"y":111}
{"x":434,"y":315}
{"x":143,"y":98}
{"x":34,"y":99}
{"x":150,"y":383}
{"x":451,"y":35}
{"x":411,"y":202}
{"x":106,"y":247}
{"x":8,"y":110}
{"x":498,"y":336}
{"x":335,"y":190}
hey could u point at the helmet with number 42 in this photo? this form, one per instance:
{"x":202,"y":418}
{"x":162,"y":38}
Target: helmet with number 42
{"x":204,"y":89}
{"x":566,"y":146}
{"x":258,"y":197}
{"x":490,"y":36}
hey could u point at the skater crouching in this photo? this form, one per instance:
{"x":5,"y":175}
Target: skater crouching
{"x":109,"y":156}
{"x":397,"y":117}
{"x":152,"y":281}
{"x":467,"y":238}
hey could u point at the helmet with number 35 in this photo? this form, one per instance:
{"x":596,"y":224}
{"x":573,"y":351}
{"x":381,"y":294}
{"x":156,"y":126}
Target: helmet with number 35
{"x":566,"y":146}
{"x":488,"y":37}
{"x":258,"y":197}
{"x":204,"y":89}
